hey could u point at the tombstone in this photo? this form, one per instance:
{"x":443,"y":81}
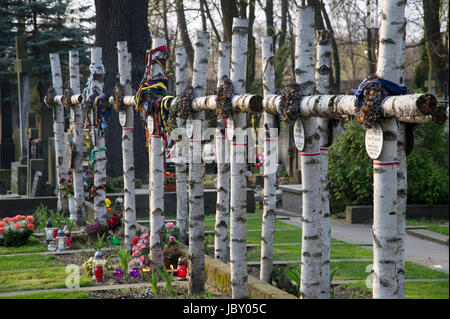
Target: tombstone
{"x":34,"y":153}
{"x":36,"y":186}
{"x":6,"y":129}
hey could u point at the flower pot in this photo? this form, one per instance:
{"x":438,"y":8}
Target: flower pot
{"x":72,"y":208}
{"x":170,"y":188}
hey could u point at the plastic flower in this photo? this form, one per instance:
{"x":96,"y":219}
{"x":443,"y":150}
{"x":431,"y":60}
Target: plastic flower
{"x":69,"y":172}
{"x":2,"y":230}
{"x":30,"y":227}
{"x":135,"y":240}
{"x":62,"y":180}
{"x":172,"y":239}
{"x":170,"y":225}
{"x":108,"y":202}
{"x":7,"y":220}
{"x":15,"y":219}
{"x":30,"y":219}
{"x":69,"y":186}
{"x":17,"y":226}
{"x":2,"y":224}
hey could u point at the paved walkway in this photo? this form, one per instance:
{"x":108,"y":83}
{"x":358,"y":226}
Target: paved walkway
{"x":423,"y":252}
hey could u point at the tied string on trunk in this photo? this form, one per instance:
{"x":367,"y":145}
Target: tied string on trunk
{"x":103,"y":111}
{"x":290,"y":108}
{"x":92,"y":89}
{"x":224,"y":97}
{"x":149,"y":98}
{"x":92,"y":158}
{"x":369,"y":96}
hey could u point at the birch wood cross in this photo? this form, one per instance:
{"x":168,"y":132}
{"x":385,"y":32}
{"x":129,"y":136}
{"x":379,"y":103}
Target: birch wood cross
{"x":408,"y":108}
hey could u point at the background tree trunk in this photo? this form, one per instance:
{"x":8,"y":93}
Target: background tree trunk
{"x":187,"y":44}
{"x":434,"y":46}
{"x":283,"y":30}
{"x":117,"y":20}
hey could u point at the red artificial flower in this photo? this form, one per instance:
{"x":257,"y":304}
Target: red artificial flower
{"x":121,"y":214}
{"x":69,"y":186}
{"x":2,"y":224}
{"x":30,"y":227}
{"x":15,"y":219}
{"x":135,"y":240}
{"x":167,"y":174}
{"x":109,"y":209}
{"x":62,"y":180}
{"x":30,"y":219}
{"x":17,"y":226}
{"x":69,"y":172}
{"x":174,"y":174}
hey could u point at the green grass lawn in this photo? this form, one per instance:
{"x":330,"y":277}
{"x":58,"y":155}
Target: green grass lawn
{"x":293,"y":252}
{"x":437,"y":226}
{"x":28,"y":262}
{"x":33,"y":245}
{"x":39,"y":278}
{"x":52,"y":295}
{"x":415,"y":290}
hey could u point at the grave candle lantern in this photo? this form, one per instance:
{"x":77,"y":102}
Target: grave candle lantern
{"x":98,"y":266}
{"x":61,"y":240}
{"x":182,"y":268}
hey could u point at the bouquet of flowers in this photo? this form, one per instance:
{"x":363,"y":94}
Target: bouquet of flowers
{"x":141,"y":249}
{"x":67,"y":185}
{"x":16,"y":230}
{"x":171,"y":233}
{"x":114,"y":214}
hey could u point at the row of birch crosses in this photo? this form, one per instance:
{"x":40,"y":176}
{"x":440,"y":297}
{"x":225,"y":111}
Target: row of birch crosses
{"x":314,"y":110}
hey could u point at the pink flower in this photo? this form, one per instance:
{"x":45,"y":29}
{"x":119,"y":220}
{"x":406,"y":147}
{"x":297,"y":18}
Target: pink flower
{"x":2,"y":224}
{"x":17,"y":226}
{"x":30,"y":219}
{"x":172,"y":239}
{"x":15,"y":219}
{"x":2,"y":230}
{"x":7,"y":220}
{"x":143,"y":260}
{"x":30,"y":227}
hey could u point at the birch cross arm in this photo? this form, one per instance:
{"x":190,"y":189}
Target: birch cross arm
{"x":247,"y":103}
{"x":415,"y":108}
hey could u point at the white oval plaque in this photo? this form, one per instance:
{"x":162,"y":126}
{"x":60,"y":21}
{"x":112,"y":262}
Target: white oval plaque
{"x":230,"y":129}
{"x":122,"y":117}
{"x":299,"y":135}
{"x":189,"y":127}
{"x":374,"y":141}
{"x":150,"y":124}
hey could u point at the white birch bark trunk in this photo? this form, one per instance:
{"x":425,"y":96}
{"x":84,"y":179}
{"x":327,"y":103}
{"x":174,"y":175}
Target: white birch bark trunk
{"x":323,"y":68}
{"x":129,"y":199}
{"x":270,"y":178}
{"x":77,"y":127}
{"x":402,"y":180}
{"x":100,"y":157}
{"x":156,"y":182}
{"x":311,"y":259}
{"x":385,"y":220}
{"x":196,"y":205}
{"x":223,"y":167}
{"x":238,"y":200}
{"x":180,"y":166}
{"x":58,"y":126}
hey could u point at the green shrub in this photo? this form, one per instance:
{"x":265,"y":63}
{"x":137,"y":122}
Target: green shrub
{"x":350,"y":169}
{"x":350,"y":172}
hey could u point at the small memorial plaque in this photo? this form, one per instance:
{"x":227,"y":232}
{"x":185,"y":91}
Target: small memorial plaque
{"x":122,"y":117}
{"x":299,"y":135}
{"x":374,"y":141}
{"x":150,"y":124}
{"x":189,"y":128}
{"x":230,"y":129}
